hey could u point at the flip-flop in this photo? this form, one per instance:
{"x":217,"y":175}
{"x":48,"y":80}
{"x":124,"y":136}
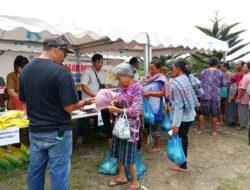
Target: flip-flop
{"x":178,"y":169}
{"x":133,"y":187}
{"x":197,"y":131}
{"x":214,"y":134}
{"x":116,"y":182}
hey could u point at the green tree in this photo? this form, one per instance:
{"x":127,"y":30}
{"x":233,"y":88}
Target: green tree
{"x":166,"y":60}
{"x":196,"y":66}
{"x":224,"y":32}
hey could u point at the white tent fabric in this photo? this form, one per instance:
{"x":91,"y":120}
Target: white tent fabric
{"x":105,"y":39}
{"x":27,"y":34}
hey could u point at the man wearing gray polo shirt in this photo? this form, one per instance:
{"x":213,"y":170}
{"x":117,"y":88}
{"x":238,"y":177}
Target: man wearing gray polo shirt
{"x":93,"y":80}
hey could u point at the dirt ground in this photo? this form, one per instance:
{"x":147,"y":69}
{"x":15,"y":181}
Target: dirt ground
{"x":221,"y":162}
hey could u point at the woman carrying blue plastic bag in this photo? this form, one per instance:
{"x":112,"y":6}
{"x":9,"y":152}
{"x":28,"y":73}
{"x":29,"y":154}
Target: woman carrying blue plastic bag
{"x":184,"y":102}
{"x":154,"y":93}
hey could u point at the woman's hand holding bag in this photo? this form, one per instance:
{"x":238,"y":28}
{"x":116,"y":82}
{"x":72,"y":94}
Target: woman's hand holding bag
{"x":121,"y":129}
{"x":175,"y":151}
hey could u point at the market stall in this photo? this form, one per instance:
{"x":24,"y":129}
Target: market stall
{"x":11,"y":122}
{"x":27,"y":34}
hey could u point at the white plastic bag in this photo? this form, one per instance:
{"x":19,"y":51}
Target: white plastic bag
{"x":121,"y":129}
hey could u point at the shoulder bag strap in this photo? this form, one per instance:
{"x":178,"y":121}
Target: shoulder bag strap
{"x":98,"y":80}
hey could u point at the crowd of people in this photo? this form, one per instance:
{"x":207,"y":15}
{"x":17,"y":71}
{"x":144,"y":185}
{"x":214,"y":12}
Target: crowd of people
{"x":45,"y":89}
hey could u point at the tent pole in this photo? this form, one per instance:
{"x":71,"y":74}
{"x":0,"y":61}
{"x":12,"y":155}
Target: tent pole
{"x":150,"y":53}
{"x":78,"y":58}
{"x":146,"y":60}
{"x":147,"y":55}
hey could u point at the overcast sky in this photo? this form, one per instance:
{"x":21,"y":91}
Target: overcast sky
{"x":151,"y":15}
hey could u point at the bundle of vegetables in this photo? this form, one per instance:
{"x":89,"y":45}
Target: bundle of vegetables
{"x":20,"y":152}
{"x":13,"y":118}
{"x":5,"y":164}
{"x":13,"y":157}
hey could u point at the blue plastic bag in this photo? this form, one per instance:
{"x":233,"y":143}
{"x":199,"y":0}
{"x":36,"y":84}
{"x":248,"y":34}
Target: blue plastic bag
{"x":175,"y":151}
{"x":141,"y":168}
{"x":109,"y":166}
{"x":166,"y":123}
{"x":148,"y":113}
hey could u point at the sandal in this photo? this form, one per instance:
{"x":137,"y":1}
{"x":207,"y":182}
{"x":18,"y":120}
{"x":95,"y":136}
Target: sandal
{"x":116,"y":182}
{"x":214,"y":134}
{"x":197,"y":131}
{"x":177,"y":168}
{"x":133,"y":187}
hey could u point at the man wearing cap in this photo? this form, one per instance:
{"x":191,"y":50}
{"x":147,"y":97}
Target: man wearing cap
{"x":49,"y":93}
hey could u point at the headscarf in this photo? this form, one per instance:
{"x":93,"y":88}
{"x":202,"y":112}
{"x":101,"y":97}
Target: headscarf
{"x":150,"y":84}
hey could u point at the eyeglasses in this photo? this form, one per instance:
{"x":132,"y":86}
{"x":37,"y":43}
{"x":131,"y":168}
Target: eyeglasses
{"x":64,"y":52}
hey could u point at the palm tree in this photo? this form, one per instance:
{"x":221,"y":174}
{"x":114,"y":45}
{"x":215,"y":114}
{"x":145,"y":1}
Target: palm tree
{"x":223,"y":31}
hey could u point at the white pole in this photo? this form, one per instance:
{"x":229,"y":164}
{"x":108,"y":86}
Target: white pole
{"x":147,"y":55}
{"x":78,"y":59}
{"x":146,"y":60}
{"x":150,"y":53}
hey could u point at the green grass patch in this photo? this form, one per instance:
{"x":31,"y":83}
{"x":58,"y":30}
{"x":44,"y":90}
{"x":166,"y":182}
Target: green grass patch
{"x":232,"y":184}
{"x":6,"y":175}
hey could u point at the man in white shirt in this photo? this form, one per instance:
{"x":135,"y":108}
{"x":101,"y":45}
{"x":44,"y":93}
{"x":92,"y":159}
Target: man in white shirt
{"x":93,"y":80}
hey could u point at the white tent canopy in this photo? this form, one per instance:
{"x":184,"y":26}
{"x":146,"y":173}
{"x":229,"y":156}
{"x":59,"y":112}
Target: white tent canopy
{"x":17,"y":32}
{"x":14,"y":28}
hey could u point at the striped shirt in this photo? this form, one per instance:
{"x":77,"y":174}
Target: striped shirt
{"x":184,"y":101}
